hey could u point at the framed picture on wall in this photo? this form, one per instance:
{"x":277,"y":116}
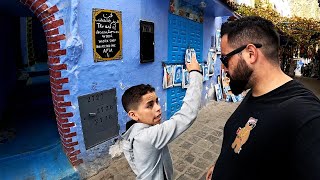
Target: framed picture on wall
{"x":211,"y":58}
{"x":205,"y":73}
{"x":217,"y":88}
{"x":167,"y":77}
{"x":185,"y":79}
{"x":218,"y":40}
{"x":177,"y":76}
{"x":213,"y":42}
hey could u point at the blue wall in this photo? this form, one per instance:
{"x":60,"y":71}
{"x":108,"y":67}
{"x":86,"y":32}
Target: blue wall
{"x":86,"y":76}
{"x":210,"y":25}
{"x":128,"y":71}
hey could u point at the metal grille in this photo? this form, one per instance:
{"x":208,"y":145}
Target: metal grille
{"x":183,"y":33}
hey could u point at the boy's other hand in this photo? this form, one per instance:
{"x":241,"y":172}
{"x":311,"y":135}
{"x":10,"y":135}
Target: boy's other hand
{"x":209,"y":173}
{"x":193,"y":65}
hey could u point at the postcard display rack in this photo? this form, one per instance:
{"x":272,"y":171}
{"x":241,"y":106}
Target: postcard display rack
{"x":177,"y":75}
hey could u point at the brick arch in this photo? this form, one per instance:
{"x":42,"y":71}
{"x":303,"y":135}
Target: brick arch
{"x":51,"y":25}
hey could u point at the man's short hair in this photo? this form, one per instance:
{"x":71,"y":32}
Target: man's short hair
{"x":133,"y":96}
{"x":253,"y":29}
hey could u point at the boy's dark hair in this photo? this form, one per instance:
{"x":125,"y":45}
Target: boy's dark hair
{"x":254,"y":30}
{"x":132,"y":96}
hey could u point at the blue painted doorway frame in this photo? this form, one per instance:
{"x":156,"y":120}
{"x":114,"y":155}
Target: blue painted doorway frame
{"x":182,"y":33}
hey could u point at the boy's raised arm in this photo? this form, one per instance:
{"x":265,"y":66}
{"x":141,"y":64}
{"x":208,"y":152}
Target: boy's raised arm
{"x":162,"y":134}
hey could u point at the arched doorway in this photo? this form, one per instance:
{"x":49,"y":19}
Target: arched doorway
{"x":35,"y":117}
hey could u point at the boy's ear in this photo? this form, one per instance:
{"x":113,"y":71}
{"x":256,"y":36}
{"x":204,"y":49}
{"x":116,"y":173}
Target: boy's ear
{"x":133,"y":115}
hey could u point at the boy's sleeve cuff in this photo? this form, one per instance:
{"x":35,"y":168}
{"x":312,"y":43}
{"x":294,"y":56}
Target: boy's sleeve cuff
{"x":195,"y":71}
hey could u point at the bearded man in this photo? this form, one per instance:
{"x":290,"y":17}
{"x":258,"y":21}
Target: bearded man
{"x":275,"y":131}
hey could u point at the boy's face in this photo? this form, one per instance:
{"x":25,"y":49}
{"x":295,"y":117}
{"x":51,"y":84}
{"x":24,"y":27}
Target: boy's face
{"x":148,"y":111}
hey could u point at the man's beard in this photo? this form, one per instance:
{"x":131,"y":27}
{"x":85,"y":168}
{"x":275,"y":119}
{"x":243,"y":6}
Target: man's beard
{"x":240,"y":78}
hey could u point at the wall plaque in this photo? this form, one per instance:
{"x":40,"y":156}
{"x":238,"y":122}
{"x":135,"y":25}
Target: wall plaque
{"x":107,"y":34}
{"x":99,"y":117}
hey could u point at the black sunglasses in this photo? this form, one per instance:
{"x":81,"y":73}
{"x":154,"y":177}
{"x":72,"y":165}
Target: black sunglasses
{"x":224,"y":59}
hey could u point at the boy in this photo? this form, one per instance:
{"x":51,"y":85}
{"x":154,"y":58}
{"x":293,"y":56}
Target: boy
{"x":145,"y":142}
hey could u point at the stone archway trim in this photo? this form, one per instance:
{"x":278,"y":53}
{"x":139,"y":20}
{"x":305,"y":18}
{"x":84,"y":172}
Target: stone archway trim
{"x":51,"y":26}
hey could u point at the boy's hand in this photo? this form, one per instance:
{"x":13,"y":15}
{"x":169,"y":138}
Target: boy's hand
{"x":209,"y":173}
{"x":193,"y":65}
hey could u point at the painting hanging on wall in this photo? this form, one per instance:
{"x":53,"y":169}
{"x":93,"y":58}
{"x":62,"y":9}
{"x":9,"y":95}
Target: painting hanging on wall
{"x":185,"y":79}
{"x":205,"y":73}
{"x":211,"y":60}
{"x":217,"y":88}
{"x":187,"y":10}
{"x":177,"y":75}
{"x":226,"y":86}
{"x":218,"y":40}
{"x":167,"y":77}
{"x":213,"y":42}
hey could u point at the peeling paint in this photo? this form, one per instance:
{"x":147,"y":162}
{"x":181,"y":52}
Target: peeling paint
{"x":122,"y":86}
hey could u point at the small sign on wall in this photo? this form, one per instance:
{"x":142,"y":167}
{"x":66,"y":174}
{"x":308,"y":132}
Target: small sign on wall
{"x":107,"y":34}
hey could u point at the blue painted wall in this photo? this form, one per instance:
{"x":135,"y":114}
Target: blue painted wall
{"x":128,"y":71}
{"x":182,"y":33}
{"x":86,"y":76}
{"x":211,"y":24}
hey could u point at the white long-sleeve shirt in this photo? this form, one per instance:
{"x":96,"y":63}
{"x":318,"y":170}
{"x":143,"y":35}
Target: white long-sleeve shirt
{"x":145,"y":147}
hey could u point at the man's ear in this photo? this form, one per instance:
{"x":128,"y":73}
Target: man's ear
{"x":133,"y":115}
{"x":253,"y":53}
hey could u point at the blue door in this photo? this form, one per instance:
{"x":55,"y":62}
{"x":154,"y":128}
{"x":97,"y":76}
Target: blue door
{"x":182,"y":33}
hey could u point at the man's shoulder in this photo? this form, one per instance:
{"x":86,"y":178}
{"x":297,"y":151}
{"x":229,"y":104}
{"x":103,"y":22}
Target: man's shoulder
{"x":298,"y":95}
{"x":302,"y":106}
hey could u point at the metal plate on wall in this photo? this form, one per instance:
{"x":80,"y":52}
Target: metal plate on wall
{"x":99,"y":117}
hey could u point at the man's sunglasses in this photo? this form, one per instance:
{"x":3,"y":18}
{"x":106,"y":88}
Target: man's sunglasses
{"x":224,"y":59}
